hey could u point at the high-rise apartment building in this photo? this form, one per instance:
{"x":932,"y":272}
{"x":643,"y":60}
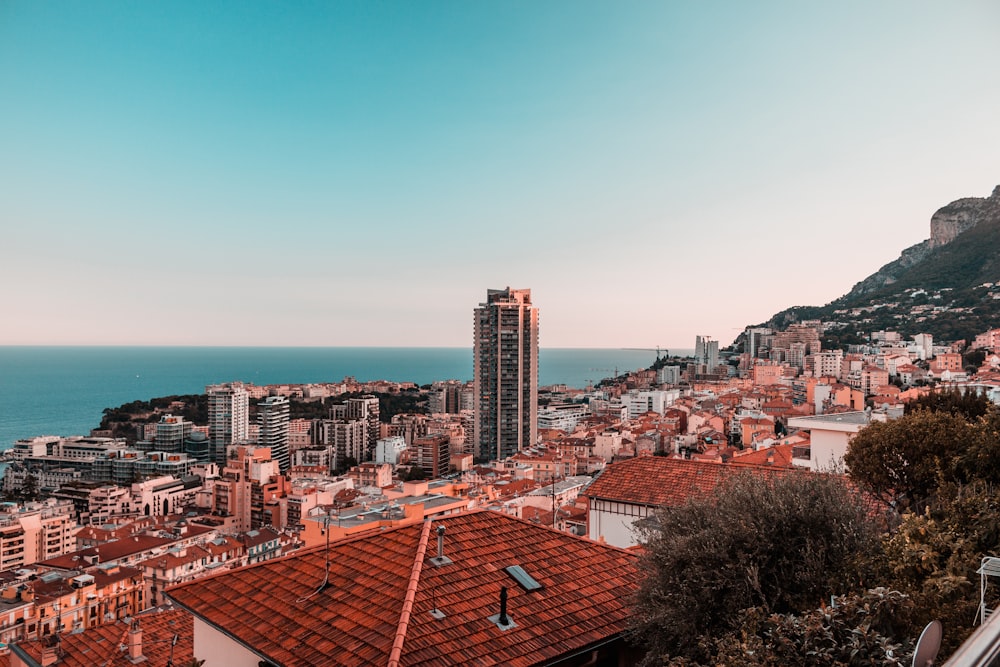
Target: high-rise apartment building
{"x":754,"y":340}
{"x":505,"y":373}
{"x":347,"y":439}
{"x":781,"y":343}
{"x":228,"y":418}
{"x":365,"y":408}
{"x":272,"y":417}
{"x":432,"y":454}
{"x":171,"y":432}
{"x":445,"y":397}
{"x":706,"y":352}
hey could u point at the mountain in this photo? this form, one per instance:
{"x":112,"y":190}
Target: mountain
{"x":948,"y":285}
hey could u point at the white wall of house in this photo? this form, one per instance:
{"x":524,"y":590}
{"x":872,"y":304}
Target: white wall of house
{"x":614,"y":522}
{"x":218,"y":650}
{"x":827,"y":449}
{"x":830,"y":436}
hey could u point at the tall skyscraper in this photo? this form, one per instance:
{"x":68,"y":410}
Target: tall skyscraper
{"x":228,"y":418}
{"x":505,"y":373}
{"x":272,"y":417}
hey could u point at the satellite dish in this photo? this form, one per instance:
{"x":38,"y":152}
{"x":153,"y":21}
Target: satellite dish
{"x":928,"y":645}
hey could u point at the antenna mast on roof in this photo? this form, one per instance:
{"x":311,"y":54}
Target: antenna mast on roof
{"x":326,"y":575}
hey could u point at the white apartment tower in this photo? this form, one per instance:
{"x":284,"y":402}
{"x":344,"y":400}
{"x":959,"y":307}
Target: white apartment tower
{"x":272,"y":417}
{"x":505,"y":373}
{"x":228,"y":418}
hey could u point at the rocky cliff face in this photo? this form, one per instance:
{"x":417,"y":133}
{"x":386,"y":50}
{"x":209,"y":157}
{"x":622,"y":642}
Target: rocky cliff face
{"x":951,"y":220}
{"x":946,"y":224}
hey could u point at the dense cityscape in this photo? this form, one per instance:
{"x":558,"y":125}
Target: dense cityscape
{"x":499,"y":334}
{"x":153,"y":511}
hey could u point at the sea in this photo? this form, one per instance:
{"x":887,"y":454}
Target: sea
{"x":64,"y":390}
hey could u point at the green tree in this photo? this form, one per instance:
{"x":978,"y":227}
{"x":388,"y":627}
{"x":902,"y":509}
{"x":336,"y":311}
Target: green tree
{"x":778,"y":543}
{"x":346,"y":464}
{"x":982,"y":461}
{"x":933,"y":556}
{"x":29,"y":488}
{"x":966,"y":403}
{"x":907,"y":459}
{"x":869,"y":628}
{"x":415,"y":474}
{"x":973,"y":359}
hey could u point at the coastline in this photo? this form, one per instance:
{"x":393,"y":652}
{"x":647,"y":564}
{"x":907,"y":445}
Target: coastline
{"x":64,"y":389}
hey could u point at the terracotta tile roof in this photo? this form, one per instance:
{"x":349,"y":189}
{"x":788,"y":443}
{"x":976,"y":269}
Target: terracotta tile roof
{"x":258,"y":537}
{"x":519,"y":487}
{"x":223,"y":545}
{"x":537,"y":515}
{"x":107,"y":552}
{"x":104,"y":577}
{"x":574,"y":512}
{"x":173,"y":559}
{"x":657,"y":481}
{"x":382,"y":589}
{"x":779,"y":456}
{"x":100,"y":645}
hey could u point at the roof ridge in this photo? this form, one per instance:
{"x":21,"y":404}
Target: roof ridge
{"x":354,"y":537}
{"x":561,"y":533}
{"x":411,"y":593}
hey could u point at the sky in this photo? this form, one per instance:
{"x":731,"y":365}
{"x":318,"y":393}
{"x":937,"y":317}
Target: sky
{"x":360,"y":173}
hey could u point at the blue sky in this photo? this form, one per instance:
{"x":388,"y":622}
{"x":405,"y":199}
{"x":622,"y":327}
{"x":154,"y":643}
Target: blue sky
{"x":337,"y":173}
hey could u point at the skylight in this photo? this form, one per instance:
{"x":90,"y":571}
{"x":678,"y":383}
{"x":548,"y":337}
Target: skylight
{"x":524,"y":580}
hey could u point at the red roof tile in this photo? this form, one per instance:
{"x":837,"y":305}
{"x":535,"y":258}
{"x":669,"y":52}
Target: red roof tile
{"x":779,"y":456}
{"x":281,"y":610}
{"x":107,"y":552}
{"x":100,"y":645}
{"x":657,"y":481}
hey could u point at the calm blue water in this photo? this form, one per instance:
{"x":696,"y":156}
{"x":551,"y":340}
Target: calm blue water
{"x":62,"y":390}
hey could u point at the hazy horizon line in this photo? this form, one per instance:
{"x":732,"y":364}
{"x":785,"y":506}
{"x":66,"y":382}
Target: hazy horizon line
{"x":367,"y":347}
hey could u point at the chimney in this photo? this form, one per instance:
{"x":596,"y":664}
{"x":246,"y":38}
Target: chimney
{"x":50,"y":651}
{"x":135,"y":655}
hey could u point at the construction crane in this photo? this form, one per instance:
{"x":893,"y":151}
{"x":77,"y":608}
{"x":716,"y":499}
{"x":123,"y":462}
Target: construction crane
{"x":657,"y":349}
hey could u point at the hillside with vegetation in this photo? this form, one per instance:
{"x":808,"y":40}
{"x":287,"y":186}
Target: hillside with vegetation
{"x":947,"y":286}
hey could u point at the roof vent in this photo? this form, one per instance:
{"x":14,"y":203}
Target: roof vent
{"x":440,"y":560}
{"x":503,"y":620}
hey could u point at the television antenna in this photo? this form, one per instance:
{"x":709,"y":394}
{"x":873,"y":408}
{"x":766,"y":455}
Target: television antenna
{"x":326,"y":575}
